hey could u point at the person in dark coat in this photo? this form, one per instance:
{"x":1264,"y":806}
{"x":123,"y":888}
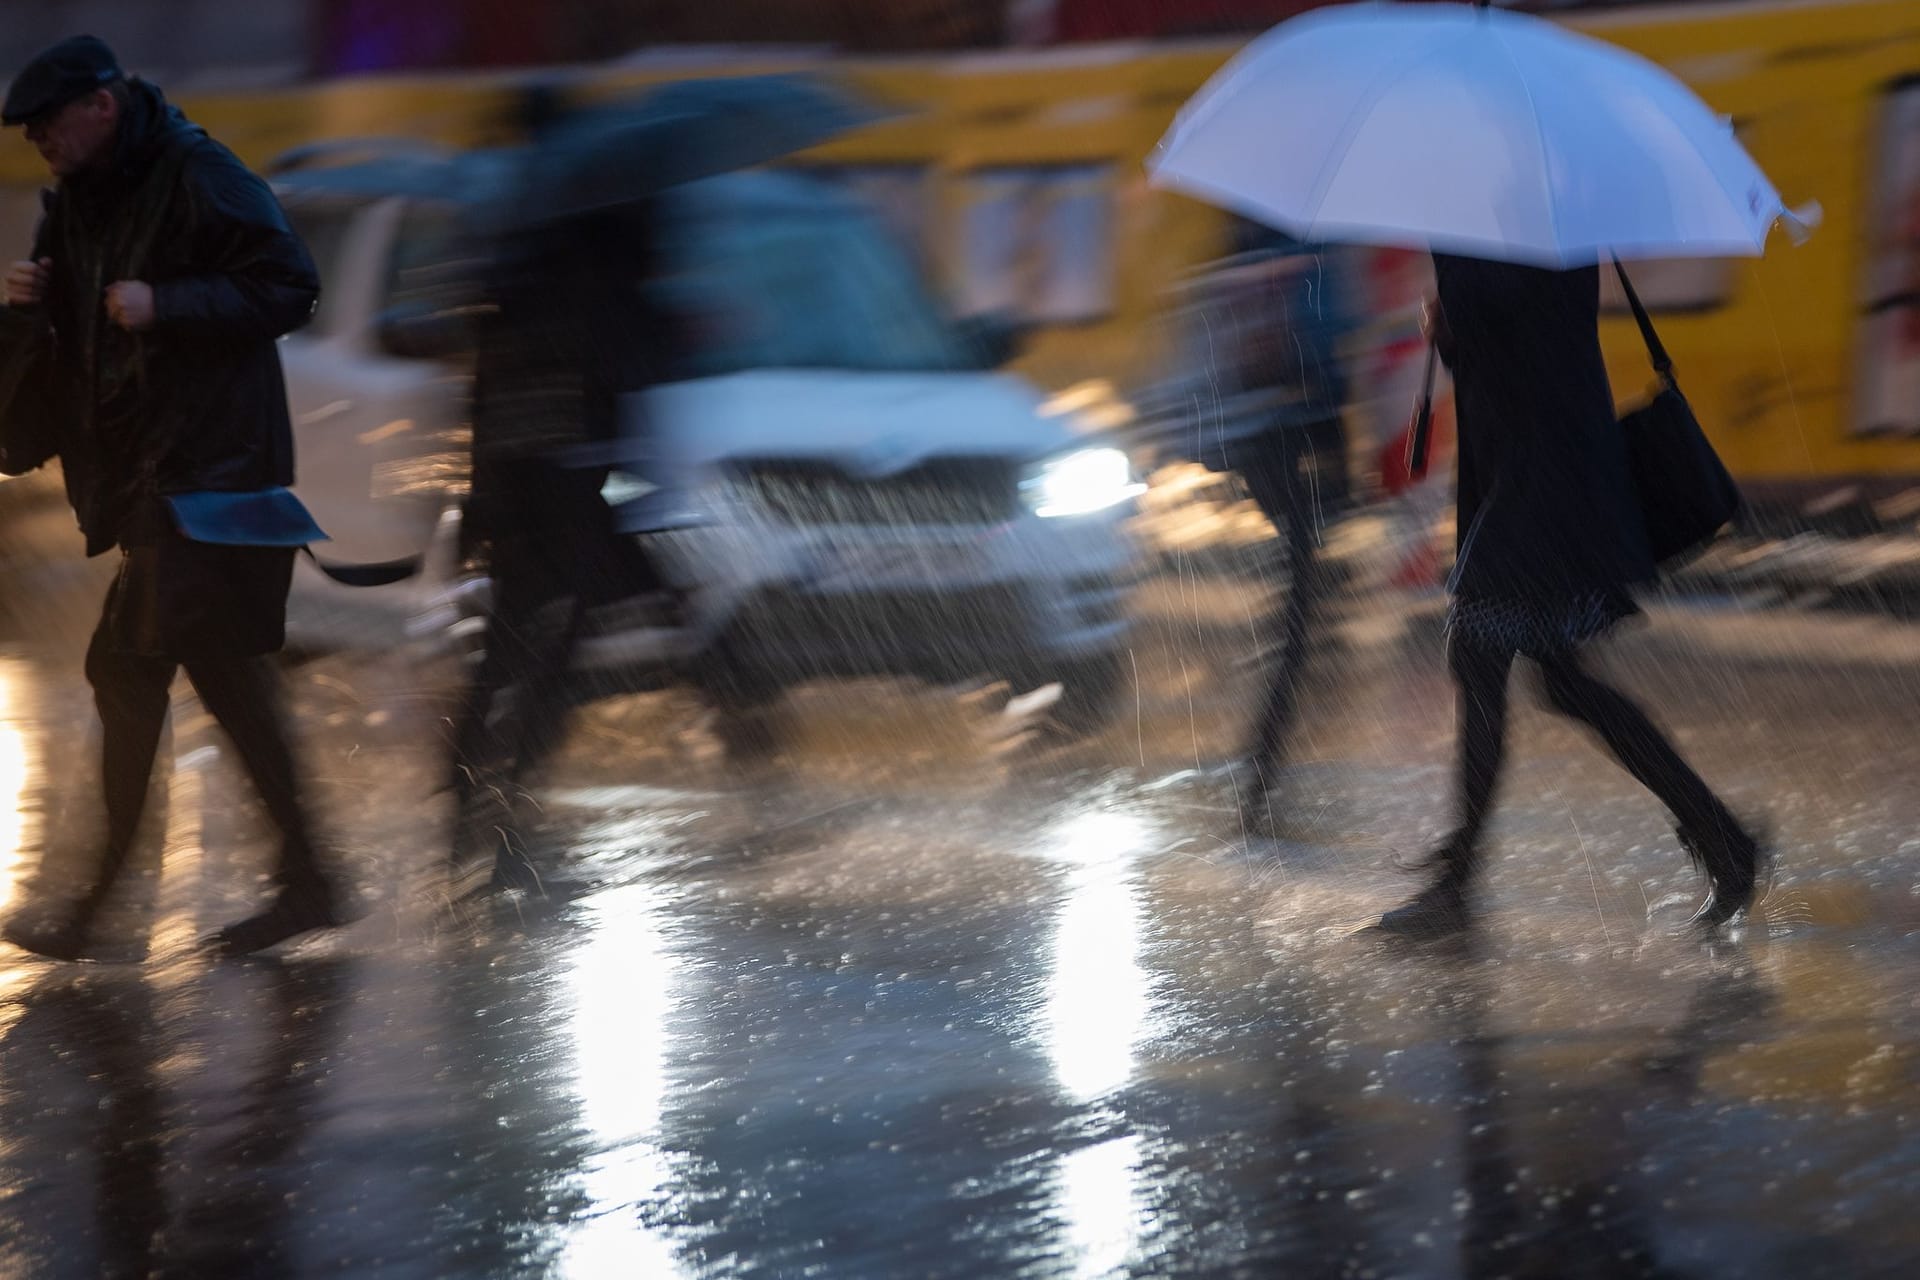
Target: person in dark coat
{"x":140,"y":349}
{"x":1550,"y":541}
{"x":568,"y":331}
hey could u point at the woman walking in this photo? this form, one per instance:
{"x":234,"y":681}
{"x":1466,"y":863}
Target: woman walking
{"x":1551,"y":537}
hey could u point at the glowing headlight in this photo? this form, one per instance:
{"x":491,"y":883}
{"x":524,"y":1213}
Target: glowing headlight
{"x":1080,"y":483}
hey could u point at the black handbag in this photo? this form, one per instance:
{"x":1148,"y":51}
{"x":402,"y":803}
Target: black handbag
{"x":1684,"y":491}
{"x":1686,"y":496}
{"x":29,"y":433}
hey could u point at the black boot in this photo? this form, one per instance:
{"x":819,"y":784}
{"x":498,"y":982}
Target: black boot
{"x":1442,"y":909}
{"x":62,"y":937}
{"x":513,"y":870}
{"x":296,"y":909}
{"x":1731,"y":857}
{"x":477,"y":832}
{"x":65,"y":933}
{"x":1255,"y":789}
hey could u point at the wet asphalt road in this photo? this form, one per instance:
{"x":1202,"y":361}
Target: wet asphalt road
{"x":928,"y":998}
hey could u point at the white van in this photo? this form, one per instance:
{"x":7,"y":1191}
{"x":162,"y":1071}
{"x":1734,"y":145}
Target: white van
{"x":872,"y":501}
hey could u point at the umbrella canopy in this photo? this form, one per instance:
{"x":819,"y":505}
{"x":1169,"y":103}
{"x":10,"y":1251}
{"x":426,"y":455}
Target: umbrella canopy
{"x":610,"y":156}
{"x":1470,"y":131}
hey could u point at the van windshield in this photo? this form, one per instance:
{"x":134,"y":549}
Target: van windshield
{"x":777,"y":271}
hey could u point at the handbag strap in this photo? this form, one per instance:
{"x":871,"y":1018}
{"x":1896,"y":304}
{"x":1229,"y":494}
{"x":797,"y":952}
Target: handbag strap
{"x":1656,"y":350}
{"x":1423,"y":420}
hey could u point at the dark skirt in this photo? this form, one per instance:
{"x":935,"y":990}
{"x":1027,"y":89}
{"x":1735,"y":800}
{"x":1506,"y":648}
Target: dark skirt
{"x":1536,"y":628}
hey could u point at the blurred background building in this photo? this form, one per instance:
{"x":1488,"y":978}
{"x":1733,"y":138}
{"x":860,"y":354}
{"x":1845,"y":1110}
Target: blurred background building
{"x":236,"y":41}
{"x":1015,"y":171}
{"x":268,"y":41}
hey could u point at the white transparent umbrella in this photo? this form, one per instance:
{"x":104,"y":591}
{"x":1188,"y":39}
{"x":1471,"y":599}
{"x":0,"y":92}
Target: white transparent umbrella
{"x":1473,"y":131}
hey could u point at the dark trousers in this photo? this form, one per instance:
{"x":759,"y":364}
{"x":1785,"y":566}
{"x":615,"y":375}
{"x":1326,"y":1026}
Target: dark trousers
{"x":515,"y":712}
{"x":1298,"y":481}
{"x":1480,"y":676}
{"x":243,"y":694}
{"x":554,"y":554}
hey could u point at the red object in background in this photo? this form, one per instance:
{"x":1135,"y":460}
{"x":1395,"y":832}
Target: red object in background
{"x":392,"y":35}
{"x":357,"y":36}
{"x":507,"y":33}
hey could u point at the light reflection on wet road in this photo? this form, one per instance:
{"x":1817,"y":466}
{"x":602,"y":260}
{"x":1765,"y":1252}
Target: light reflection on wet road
{"x":911,"y":1004}
{"x":14,"y":768}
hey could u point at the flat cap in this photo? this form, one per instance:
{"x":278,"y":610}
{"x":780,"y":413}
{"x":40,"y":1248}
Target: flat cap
{"x":71,"y":69}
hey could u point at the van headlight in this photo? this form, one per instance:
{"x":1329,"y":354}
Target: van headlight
{"x":1080,"y":483}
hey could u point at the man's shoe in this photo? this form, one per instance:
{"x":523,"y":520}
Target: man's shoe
{"x":1255,"y":796}
{"x":293,"y":912}
{"x":1734,"y":862}
{"x":1441,"y":910}
{"x":64,"y":938}
{"x":1725,"y":900}
{"x":513,"y":872}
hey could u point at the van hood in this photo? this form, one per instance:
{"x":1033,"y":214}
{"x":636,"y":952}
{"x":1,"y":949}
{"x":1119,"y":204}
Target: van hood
{"x":871,"y":424}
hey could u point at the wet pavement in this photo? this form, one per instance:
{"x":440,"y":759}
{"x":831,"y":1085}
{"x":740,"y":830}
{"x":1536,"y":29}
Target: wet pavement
{"x":934,"y":995}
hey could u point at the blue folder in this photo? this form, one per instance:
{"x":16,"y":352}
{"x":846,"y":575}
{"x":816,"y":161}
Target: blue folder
{"x":257,"y":518}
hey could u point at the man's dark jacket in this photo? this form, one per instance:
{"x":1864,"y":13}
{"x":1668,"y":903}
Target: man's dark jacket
{"x":195,"y":403}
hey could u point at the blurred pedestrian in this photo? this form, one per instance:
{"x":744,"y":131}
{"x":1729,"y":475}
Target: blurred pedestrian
{"x":568,"y":331}
{"x":1551,"y":538}
{"x":1293,"y":462}
{"x":141,"y":344}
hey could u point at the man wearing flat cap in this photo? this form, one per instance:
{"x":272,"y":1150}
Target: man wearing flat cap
{"x":137,"y":346}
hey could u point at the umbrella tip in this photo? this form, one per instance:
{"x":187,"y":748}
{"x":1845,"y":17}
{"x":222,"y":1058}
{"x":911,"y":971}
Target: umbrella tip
{"x":1801,"y":222}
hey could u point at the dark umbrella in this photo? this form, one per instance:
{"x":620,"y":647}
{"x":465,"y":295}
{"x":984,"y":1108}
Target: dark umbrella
{"x":610,"y":156}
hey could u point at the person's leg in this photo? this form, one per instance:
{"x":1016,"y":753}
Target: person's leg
{"x":1480,"y":679}
{"x":1292,"y":518}
{"x":545,"y":692}
{"x":1711,"y":833}
{"x":477,"y":752}
{"x":1328,"y":469}
{"x":243,"y":695}
{"x":540,"y":701}
{"x":130,"y":693}
{"x":544,"y":578}
{"x":1276,"y":479}
{"x":572,"y":560}
{"x":487,"y":724}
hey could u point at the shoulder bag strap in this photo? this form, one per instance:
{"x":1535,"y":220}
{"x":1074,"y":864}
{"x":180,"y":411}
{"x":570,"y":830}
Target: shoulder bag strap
{"x":1656,"y":350}
{"x":1423,"y":420}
